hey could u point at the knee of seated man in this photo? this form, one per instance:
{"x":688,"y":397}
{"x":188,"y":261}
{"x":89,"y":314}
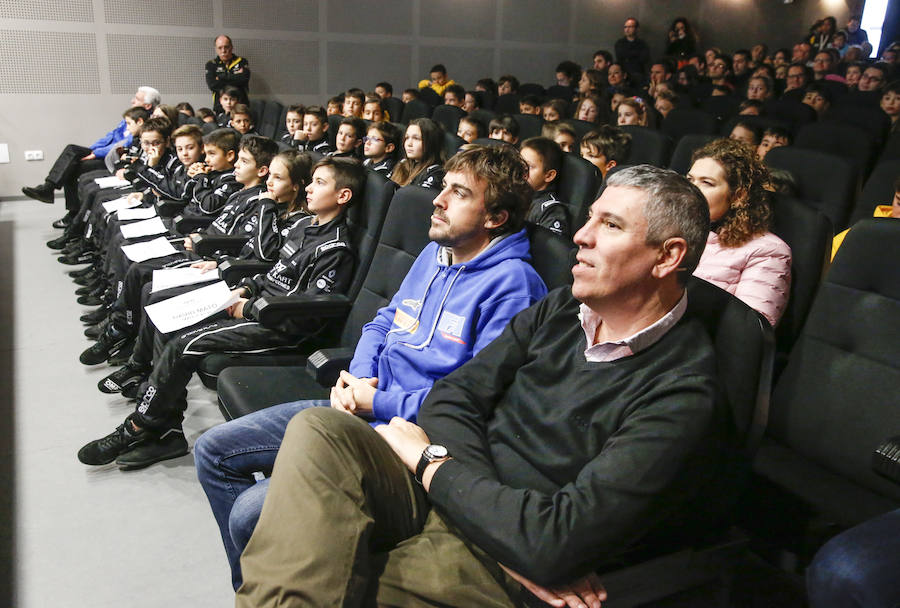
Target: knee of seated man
{"x":245,"y":513}
{"x":839,"y":564}
{"x":321,"y":425}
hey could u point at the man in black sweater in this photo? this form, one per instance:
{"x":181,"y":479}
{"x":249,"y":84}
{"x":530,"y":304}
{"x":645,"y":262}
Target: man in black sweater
{"x":589,"y":427}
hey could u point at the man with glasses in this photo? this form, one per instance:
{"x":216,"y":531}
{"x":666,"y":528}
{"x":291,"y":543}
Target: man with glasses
{"x":873,"y":78}
{"x":798,"y":76}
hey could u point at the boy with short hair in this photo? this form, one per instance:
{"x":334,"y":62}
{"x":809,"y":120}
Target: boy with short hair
{"x":241,"y":119}
{"x":773,"y":137}
{"x":153,"y":432}
{"x":530,"y":104}
{"x":507,"y":85}
{"x":455,"y":95}
{"x":470,"y":129}
{"x":349,"y":137}
{"x":504,"y":127}
{"x":212,"y":181}
{"x":315,"y":131}
{"x":372,"y":109}
{"x":747,"y":132}
{"x":544,"y":159}
{"x":354,"y":100}
{"x":335,"y":105}
{"x":230,"y":97}
{"x":408,"y":95}
{"x":293,"y":122}
{"x":554,"y":110}
{"x":606,"y":147}
{"x":384,"y":90}
{"x":563,"y":134}
{"x":381,"y":145}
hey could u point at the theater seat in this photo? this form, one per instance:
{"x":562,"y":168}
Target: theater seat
{"x":365,"y":221}
{"x":579,"y":182}
{"x":415,"y":108}
{"x":394,"y":107}
{"x":530,"y":125}
{"x":836,"y":401}
{"x":684,"y":150}
{"x":448,"y":117}
{"x":648,"y":146}
{"x":687,"y":121}
{"x":879,"y":189}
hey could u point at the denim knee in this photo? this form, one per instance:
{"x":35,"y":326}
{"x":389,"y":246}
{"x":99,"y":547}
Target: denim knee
{"x":245,"y":513}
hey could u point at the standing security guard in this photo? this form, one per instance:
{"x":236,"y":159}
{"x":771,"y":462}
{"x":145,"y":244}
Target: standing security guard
{"x":226,"y":70}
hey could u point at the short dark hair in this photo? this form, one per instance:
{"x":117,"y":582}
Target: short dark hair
{"x":512,"y":80}
{"x":549,"y":151}
{"x":205,"y":113}
{"x":414,"y":93}
{"x":560,"y":105}
{"x":390,"y":133}
{"x":356,"y":94}
{"x":674,"y":208}
{"x":438,"y":67}
{"x":605,"y":54}
{"x":297,"y":108}
{"x":571,"y":70}
{"x":185,"y":107}
{"x":348,"y":173}
{"x":137,"y":113}
{"x":612,"y":142}
{"x":456,"y":89}
{"x":479,"y":126}
{"x":241,"y":108}
{"x":317,"y":111}
{"x":225,"y":139}
{"x":478,"y":96}
{"x":160,"y":125}
{"x":532,"y":100}
{"x":751,"y":126}
{"x":507,"y":186}
{"x":262,"y":149}
{"x":358,"y":124}
{"x":386,"y":86}
{"x":234,"y":93}
{"x":505,"y":122}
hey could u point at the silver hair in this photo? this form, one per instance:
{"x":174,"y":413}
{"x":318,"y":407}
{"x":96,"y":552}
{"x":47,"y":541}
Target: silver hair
{"x":151,"y":96}
{"x":674,"y":208}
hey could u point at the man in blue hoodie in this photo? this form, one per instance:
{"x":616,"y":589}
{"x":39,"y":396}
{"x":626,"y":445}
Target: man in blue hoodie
{"x":458,"y":296}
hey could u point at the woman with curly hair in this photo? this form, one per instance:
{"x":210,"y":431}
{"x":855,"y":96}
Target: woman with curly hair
{"x":742,"y":256}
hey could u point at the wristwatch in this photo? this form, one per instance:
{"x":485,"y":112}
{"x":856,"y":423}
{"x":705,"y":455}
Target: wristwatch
{"x":431,"y":453}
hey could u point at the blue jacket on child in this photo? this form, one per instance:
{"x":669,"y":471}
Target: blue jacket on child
{"x":441,"y":316}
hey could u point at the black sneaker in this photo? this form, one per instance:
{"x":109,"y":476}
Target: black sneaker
{"x":77,"y":274}
{"x":106,"y":449}
{"x":43,"y":193}
{"x":124,"y":377}
{"x":59,"y":242}
{"x":64,"y":221}
{"x":108,"y":343}
{"x":92,"y":318}
{"x":81,"y":257}
{"x":95,"y":331}
{"x":134,"y":391}
{"x":88,"y":278}
{"x":157,"y":447}
{"x":90,"y":287}
{"x":123,"y":355}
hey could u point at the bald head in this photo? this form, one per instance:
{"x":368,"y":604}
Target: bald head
{"x":224,"y":48}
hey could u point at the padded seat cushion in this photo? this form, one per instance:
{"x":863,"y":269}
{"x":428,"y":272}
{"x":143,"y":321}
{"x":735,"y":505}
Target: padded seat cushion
{"x":270,"y":386}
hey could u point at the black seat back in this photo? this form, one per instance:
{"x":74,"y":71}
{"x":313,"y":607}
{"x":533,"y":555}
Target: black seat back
{"x":532,"y":88}
{"x":530,"y":125}
{"x":430,"y":96}
{"x":268,"y":123}
{"x":448,"y":117}
{"x":403,"y":236}
{"x":581,"y":128}
{"x":837,"y":399}
{"x":879,"y":189}
{"x":648,"y":146}
{"x":366,"y":221}
{"x":808,"y":233}
{"x":826,"y":181}
{"x":552,"y":256}
{"x":847,"y":141}
{"x":686,"y":121}
{"x":415,"y":108}
{"x":452,"y":143}
{"x":394,"y":107}
{"x":684,"y":150}
{"x":507,"y":104}
{"x":334,"y":123}
{"x":577,"y":186}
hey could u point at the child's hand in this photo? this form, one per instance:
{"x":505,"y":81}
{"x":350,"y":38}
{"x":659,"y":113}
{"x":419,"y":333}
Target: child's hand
{"x":236,"y":310}
{"x":153,"y":155}
{"x":120,"y":173}
{"x":205,"y":266}
{"x":135,"y":196}
{"x":188,"y":244}
{"x":300,"y":135}
{"x":197,"y":168}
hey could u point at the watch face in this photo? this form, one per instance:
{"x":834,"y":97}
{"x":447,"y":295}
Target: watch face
{"x":436,"y":451}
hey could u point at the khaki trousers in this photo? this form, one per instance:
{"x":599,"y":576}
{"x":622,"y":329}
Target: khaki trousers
{"x":345,"y":524}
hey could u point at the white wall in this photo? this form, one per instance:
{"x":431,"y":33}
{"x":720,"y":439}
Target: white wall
{"x":69,"y":67}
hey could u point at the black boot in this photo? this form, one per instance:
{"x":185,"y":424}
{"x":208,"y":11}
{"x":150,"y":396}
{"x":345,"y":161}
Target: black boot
{"x":92,"y":318}
{"x":43,"y":193}
{"x":110,"y":342}
{"x":64,"y":221}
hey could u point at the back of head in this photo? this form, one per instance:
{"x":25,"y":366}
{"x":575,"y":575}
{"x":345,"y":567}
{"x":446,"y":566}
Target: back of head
{"x":262,"y":149}
{"x":347,"y":172}
{"x":506,"y":177}
{"x":549,"y":151}
{"x":674,"y":208}
{"x":136,"y":114}
{"x":224,"y":139}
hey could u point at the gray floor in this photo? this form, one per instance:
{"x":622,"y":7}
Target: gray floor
{"x":94,"y":536}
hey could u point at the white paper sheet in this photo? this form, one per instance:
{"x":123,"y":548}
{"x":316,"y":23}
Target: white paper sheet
{"x":167,"y":278}
{"x":149,"y":250}
{"x":120,"y":203}
{"x":143,"y":228}
{"x":137,"y":213}
{"x":111,"y":182}
{"x":189,"y":308}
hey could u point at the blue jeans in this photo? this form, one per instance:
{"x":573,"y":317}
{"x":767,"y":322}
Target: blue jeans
{"x":858,"y":567}
{"x":229,"y":459}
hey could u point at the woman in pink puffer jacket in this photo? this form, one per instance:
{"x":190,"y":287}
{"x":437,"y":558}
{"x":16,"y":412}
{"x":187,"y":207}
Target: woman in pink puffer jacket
{"x":741,"y":255}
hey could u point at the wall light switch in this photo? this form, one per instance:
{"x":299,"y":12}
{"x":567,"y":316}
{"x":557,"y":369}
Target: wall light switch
{"x":34,"y":155}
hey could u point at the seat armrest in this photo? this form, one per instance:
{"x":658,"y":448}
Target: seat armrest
{"x":325,"y":365}
{"x":886,"y":459}
{"x":185,"y":224}
{"x":208,"y":244}
{"x":271,"y":312}
{"x":232,"y":271}
{"x":167,"y":207}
